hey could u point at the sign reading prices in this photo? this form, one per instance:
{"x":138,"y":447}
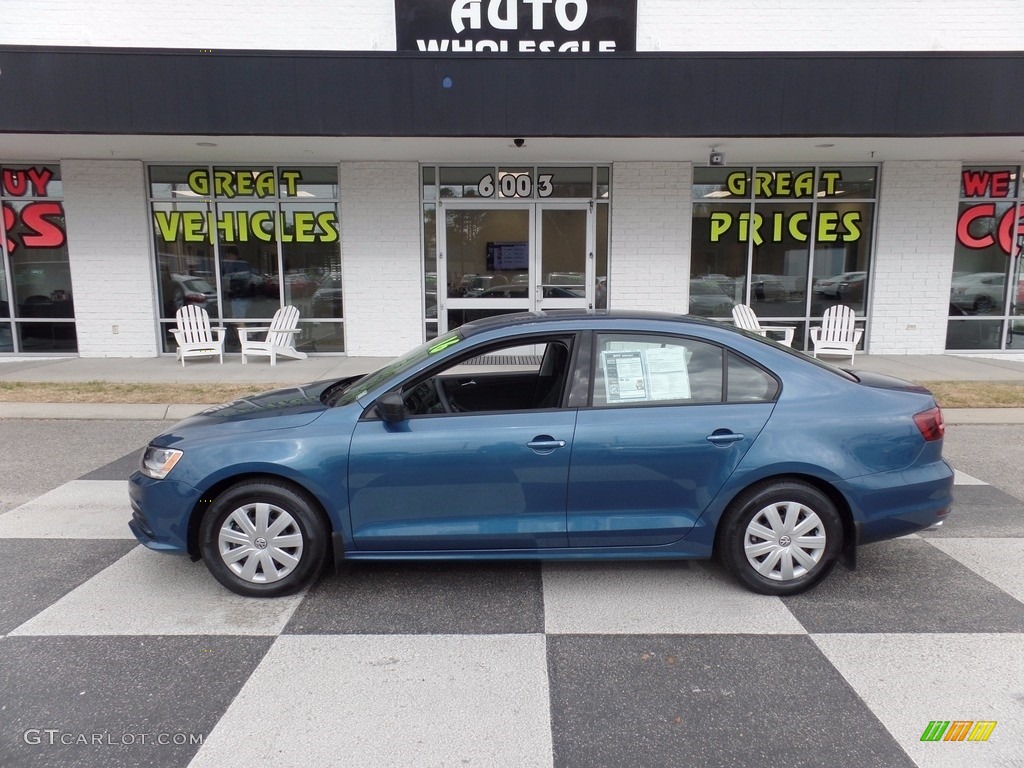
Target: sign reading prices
{"x":516,"y":26}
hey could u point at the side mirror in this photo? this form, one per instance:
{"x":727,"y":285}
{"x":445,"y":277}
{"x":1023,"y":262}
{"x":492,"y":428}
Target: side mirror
{"x":391,"y":407}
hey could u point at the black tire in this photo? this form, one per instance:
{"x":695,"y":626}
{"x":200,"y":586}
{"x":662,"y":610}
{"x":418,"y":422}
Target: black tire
{"x":795,"y":505}
{"x":263,"y":569}
{"x":982,"y":305}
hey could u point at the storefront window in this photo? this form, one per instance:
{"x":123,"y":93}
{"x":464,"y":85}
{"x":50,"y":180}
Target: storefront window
{"x":430,"y":269}
{"x":986,"y":298}
{"x":244,"y":241}
{"x":511,"y":238}
{"x":787,"y":241}
{"x":36,"y":303}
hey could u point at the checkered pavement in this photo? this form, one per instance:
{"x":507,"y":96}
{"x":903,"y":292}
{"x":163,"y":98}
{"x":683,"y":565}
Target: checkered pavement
{"x":113,"y":655}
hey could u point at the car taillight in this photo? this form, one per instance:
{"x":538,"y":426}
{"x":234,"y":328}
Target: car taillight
{"x":195,"y":298}
{"x":931,"y":424}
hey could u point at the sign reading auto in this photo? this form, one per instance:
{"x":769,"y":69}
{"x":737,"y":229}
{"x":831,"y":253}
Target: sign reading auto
{"x":516,"y":26}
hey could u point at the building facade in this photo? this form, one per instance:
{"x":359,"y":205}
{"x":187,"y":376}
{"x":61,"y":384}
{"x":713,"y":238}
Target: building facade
{"x":394,"y":168}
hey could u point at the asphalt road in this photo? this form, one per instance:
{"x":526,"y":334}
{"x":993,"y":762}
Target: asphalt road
{"x":112,"y":655}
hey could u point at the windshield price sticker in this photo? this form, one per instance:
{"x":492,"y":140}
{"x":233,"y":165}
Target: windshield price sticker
{"x":516,"y":185}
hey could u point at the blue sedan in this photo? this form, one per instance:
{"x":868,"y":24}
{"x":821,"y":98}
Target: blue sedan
{"x":554,"y":436}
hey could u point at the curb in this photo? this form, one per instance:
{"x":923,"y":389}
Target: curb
{"x":164,"y":412}
{"x":100,"y":411}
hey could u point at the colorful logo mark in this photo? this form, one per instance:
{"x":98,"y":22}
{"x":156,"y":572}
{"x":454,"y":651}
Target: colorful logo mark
{"x":958,"y":730}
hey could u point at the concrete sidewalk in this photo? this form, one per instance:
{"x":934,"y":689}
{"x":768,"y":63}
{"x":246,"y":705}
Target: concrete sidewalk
{"x":162,"y":370}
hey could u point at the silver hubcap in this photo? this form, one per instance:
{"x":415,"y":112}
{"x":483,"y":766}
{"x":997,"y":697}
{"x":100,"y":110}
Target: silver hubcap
{"x":784,"y":541}
{"x":260,"y":543}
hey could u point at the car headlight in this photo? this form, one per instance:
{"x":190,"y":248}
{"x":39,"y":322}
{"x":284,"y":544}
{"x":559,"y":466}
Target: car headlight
{"x":157,"y":462}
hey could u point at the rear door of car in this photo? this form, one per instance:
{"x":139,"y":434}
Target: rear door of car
{"x":670,"y":420}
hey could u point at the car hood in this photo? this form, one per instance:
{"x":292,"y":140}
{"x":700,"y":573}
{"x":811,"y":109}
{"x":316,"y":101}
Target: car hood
{"x":277,"y":409}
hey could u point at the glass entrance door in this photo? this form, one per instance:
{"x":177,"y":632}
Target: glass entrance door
{"x":564,"y":265}
{"x":514,"y":258}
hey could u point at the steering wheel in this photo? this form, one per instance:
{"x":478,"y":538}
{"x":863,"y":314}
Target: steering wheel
{"x":442,"y":396}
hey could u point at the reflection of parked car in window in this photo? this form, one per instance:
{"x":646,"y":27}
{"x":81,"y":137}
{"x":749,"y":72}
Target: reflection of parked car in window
{"x":852,"y":289}
{"x":299,"y":285}
{"x":186,"y":289}
{"x":707,"y":299}
{"x":979,"y":293}
{"x":327,"y":298}
{"x":513,"y":292}
{"x":829,"y":286}
{"x":767,"y":288}
{"x":478,"y":284}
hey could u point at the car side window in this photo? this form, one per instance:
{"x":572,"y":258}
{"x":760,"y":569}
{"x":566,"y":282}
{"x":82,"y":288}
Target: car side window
{"x":528,"y":374}
{"x":640,"y":369}
{"x":749,"y":384}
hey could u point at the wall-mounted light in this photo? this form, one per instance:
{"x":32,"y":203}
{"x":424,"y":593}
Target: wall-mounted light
{"x":716,"y":157}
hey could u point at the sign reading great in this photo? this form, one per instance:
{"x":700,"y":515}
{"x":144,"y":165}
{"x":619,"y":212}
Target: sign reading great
{"x":243,"y":225}
{"x":516,"y":26}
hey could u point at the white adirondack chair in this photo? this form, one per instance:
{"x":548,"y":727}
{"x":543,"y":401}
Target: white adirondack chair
{"x":279,"y":340}
{"x":837,"y":335}
{"x":194,"y":335}
{"x":745,"y":318}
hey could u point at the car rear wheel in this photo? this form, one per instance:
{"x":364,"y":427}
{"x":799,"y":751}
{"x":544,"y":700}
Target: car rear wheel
{"x":263,"y":538}
{"x":780,"y":538}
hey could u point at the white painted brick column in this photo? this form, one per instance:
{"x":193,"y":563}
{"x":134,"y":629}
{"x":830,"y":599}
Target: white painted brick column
{"x":913,"y":261}
{"x":112,"y":272}
{"x":649,"y":264}
{"x":382,"y":265}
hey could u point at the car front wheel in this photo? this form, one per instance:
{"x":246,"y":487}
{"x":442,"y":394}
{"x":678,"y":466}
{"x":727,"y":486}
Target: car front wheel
{"x":780,"y":538}
{"x":263,"y":538}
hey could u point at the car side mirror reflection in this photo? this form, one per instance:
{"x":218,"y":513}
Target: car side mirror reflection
{"x":391,"y":407}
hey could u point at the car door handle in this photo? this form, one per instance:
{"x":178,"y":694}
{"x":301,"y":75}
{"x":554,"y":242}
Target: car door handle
{"x":724,"y":437}
{"x":545,"y":444}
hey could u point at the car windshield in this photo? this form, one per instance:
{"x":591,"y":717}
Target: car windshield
{"x":348,"y":394}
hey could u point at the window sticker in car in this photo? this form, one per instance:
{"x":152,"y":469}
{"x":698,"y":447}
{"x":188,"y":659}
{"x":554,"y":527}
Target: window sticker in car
{"x":646,"y":375}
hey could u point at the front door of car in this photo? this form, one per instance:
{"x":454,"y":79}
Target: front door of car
{"x":464,"y":477}
{"x":661,"y":439}
{"x":461,"y":481}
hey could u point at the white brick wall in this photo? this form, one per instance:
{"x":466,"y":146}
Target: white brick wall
{"x":315,"y":25}
{"x":382,"y":265}
{"x":662,"y":25}
{"x":650,"y":233}
{"x":112,"y":271}
{"x":823,"y":25}
{"x":913,"y":262}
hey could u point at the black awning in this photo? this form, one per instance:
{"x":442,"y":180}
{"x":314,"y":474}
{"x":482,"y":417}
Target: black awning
{"x":178,"y":92}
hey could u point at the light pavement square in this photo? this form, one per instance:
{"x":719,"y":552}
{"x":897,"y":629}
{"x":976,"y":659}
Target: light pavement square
{"x":656,"y":598}
{"x":910,"y":680}
{"x":151,"y":593}
{"x":390,"y":700}
{"x":80,"y":509}
{"x":962,"y":478}
{"x":996,"y":560}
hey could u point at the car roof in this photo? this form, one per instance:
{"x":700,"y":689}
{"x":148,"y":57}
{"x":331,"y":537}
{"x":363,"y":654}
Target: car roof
{"x":599,"y":317}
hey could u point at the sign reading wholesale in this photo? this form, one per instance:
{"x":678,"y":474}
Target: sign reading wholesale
{"x":516,"y":26}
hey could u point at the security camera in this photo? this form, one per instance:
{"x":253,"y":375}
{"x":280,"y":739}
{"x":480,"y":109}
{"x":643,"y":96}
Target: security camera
{"x":716,"y":158}
{"x":519,"y":142}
